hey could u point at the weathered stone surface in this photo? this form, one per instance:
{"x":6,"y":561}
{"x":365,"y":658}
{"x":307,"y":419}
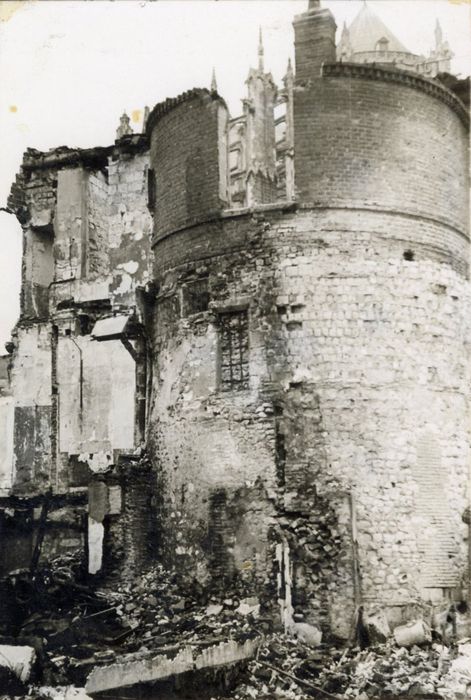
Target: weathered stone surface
{"x":152,"y":668}
{"x":310,"y":635}
{"x":416,"y":632}
{"x":19,"y":659}
{"x":377,"y":626}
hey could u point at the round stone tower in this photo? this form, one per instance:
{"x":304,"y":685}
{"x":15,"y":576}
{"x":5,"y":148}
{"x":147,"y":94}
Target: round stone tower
{"x":310,"y":411}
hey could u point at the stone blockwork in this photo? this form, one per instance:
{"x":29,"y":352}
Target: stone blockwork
{"x":306,"y":413}
{"x":350,"y":393}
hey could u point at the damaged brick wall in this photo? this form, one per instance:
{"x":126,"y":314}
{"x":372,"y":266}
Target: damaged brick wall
{"x":122,"y":503}
{"x":343,"y":370}
{"x":84,"y":214}
{"x":189,"y":140}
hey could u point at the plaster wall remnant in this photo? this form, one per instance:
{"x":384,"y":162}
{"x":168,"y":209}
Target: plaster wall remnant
{"x":6,"y":427}
{"x":253,"y":334}
{"x":154,"y":668}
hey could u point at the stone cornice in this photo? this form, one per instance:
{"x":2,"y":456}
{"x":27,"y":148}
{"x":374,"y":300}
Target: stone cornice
{"x":372,"y":72}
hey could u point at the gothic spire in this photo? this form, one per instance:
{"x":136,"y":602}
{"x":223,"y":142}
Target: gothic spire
{"x":261,"y":66}
{"x":145,"y":117}
{"x":214,"y":85}
{"x":438,"y":35}
{"x":289,"y":75}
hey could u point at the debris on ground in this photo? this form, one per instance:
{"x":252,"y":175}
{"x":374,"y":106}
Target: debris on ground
{"x":18,"y":659}
{"x":287,"y":668}
{"x":64,"y":627}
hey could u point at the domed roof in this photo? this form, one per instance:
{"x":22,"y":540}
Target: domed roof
{"x":367,"y":29}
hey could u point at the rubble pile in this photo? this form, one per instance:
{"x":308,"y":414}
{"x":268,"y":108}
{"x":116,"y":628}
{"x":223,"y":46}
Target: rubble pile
{"x":75,"y":625}
{"x":286,"y":668}
{"x":65,"y":626}
{"x":391,"y":671}
{"x":59,"y":615}
{"x":154,"y":607}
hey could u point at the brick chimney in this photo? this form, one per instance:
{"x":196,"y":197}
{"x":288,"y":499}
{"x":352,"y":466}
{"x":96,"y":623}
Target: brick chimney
{"x":314,"y":33}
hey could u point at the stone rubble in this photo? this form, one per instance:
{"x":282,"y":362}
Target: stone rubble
{"x":73,"y":629}
{"x":286,"y":668}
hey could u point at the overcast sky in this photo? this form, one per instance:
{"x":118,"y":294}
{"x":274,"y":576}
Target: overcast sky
{"x":68,"y":69}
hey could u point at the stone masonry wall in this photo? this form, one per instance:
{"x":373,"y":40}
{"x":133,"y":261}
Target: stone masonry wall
{"x":97,"y":257}
{"x":351,"y":398}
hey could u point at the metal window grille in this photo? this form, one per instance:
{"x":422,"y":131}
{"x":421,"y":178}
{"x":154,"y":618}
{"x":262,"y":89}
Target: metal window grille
{"x":234,"y":349}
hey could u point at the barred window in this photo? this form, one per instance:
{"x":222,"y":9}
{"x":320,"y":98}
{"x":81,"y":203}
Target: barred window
{"x":234,"y":350}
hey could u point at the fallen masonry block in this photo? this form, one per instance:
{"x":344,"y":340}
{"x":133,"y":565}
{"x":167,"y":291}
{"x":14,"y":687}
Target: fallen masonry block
{"x":18,"y":659}
{"x":249,"y":606}
{"x":377,"y":626}
{"x":310,"y":635}
{"x":415,"y":632}
{"x":154,"y":667}
{"x":213,"y":609}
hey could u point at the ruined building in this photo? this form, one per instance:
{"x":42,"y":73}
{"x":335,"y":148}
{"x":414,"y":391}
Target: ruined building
{"x":243,"y":347}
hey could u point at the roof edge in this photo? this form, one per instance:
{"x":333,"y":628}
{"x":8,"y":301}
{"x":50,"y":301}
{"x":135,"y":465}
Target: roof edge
{"x":163,"y":108}
{"x":371,"y":71}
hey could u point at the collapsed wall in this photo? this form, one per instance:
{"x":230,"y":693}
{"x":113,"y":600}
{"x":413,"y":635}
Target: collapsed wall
{"x":74,"y":405}
{"x":310,"y":407}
